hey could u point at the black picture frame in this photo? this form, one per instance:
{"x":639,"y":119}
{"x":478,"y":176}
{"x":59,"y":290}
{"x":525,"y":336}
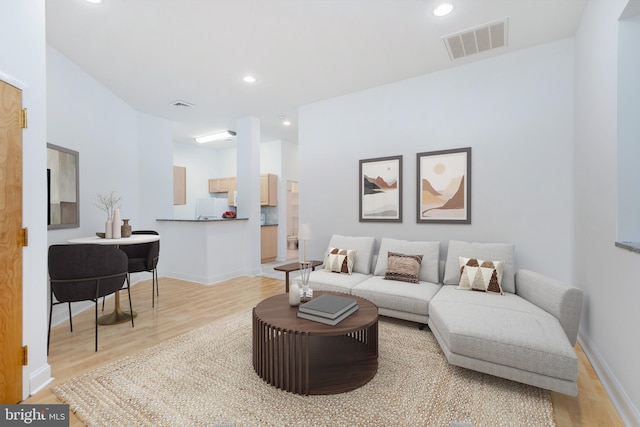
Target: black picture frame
{"x":443,"y":187}
{"x":380,"y":197}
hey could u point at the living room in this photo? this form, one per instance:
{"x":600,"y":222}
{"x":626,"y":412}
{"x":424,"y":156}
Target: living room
{"x":541,"y":122}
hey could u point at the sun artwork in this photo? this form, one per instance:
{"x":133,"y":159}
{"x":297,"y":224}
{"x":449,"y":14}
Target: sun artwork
{"x":439,"y":168}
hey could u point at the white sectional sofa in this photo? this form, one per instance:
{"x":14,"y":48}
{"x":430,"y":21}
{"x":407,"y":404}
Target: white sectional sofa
{"x":526,"y":334}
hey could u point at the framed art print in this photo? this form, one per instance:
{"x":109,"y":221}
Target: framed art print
{"x":381,"y":189}
{"x":444,"y":186}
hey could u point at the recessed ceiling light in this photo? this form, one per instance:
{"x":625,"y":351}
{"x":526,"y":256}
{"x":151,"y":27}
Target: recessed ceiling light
{"x":249,"y":79}
{"x":94,"y":1}
{"x":286,"y":122}
{"x":443,"y":9}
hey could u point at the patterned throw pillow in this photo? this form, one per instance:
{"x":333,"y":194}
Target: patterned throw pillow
{"x":340,"y":260}
{"x":481,"y":275}
{"x":405,"y":268}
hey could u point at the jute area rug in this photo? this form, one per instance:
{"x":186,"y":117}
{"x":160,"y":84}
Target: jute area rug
{"x":206,"y":377}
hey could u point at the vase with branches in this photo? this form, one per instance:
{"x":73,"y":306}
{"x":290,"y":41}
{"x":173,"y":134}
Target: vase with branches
{"x":108,"y":203}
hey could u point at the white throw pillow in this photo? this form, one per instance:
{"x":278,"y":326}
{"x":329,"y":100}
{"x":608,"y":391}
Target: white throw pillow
{"x":340,"y":260}
{"x":492,"y":251}
{"x":481,"y":275}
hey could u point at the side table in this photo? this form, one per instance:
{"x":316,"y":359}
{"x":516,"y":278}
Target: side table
{"x":294,"y":266}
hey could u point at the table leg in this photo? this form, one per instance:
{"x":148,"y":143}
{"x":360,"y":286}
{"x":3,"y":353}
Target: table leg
{"x":117,"y":316}
{"x":286,"y":282}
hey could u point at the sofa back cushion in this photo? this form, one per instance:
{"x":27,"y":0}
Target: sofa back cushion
{"x":430,"y":252}
{"x":486,"y":251}
{"x":363,"y":245}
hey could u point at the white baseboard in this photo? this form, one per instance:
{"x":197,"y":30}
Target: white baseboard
{"x":627,"y":411}
{"x":39,"y":379}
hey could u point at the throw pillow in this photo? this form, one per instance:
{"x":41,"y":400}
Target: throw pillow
{"x":340,"y":260}
{"x":481,"y":275}
{"x":405,"y":268}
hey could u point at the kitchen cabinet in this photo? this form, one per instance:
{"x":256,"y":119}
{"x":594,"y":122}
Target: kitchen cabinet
{"x":268,"y":243}
{"x":219,"y":185}
{"x":268,"y":190}
{"x":231,"y":194}
{"x":179,"y":185}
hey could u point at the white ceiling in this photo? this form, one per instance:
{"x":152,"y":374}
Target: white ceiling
{"x":153,"y":52}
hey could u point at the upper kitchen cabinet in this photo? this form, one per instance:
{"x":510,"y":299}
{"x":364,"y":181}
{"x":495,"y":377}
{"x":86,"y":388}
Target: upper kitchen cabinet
{"x":219,"y":185}
{"x":231,"y":195}
{"x":268,"y":190}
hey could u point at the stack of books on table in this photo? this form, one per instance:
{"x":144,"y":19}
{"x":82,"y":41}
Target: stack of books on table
{"x":329,"y":309}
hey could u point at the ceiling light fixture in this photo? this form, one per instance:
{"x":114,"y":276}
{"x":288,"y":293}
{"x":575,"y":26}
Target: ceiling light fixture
{"x":217,"y":136}
{"x":94,"y":1}
{"x":285,"y":121}
{"x":443,"y":9}
{"x":249,"y":79}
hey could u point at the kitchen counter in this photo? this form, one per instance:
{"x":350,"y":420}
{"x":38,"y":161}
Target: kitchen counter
{"x":202,"y":220}
{"x":208,"y":251}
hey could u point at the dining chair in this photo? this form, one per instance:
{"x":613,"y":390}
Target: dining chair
{"x":144,"y":257}
{"x":85,"y":273}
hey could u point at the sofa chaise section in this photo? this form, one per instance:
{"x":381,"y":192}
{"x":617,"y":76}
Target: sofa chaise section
{"x":526,"y":335}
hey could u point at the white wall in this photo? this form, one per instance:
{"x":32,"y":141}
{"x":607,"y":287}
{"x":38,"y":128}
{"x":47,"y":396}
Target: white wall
{"x":202,"y":163}
{"x":154,"y":171}
{"x":84,"y":116}
{"x":120,"y":150}
{"x":515,"y":111}
{"x":23,"y":64}
{"x":608,"y":275}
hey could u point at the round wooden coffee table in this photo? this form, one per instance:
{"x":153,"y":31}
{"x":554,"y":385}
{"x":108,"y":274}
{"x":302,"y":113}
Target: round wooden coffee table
{"x":307,"y":357}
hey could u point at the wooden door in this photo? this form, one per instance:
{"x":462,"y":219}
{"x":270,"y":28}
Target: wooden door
{"x":11,"y":355}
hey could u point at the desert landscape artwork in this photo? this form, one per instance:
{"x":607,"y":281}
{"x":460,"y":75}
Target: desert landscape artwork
{"x":380,"y":189}
{"x":444,"y":186}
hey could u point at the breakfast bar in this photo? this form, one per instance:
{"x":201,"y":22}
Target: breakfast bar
{"x":206,"y":251}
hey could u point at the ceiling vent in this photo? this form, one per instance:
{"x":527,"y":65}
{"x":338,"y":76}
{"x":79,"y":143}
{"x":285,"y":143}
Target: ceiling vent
{"x":479,"y":39}
{"x":183,"y":104}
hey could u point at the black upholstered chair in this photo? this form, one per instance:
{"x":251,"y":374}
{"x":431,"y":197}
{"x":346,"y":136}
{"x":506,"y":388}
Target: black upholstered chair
{"x":144,"y":257}
{"x":85,"y":273}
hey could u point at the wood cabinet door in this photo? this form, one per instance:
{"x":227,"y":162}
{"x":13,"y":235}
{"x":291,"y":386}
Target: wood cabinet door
{"x":231,"y":193}
{"x":268,"y":243}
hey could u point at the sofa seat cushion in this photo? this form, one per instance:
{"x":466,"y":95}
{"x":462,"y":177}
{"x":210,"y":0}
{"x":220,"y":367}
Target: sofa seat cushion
{"x":505,"y":330}
{"x":394,"y":295}
{"x":323,"y":280}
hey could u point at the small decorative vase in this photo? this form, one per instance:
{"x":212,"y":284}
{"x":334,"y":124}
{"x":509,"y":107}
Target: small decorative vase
{"x":117,"y":223}
{"x":108,"y":229}
{"x":125,"y":230}
{"x":294,"y":294}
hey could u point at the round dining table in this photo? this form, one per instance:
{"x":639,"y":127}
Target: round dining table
{"x":118,"y":315}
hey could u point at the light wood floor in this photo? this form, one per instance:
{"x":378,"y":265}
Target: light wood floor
{"x":183,"y":306}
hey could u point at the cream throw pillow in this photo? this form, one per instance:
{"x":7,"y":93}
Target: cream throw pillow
{"x":340,"y":260}
{"x":481,"y":275}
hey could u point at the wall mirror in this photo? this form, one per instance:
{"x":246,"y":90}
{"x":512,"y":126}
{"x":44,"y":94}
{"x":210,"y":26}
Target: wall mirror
{"x":63,"y":209}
